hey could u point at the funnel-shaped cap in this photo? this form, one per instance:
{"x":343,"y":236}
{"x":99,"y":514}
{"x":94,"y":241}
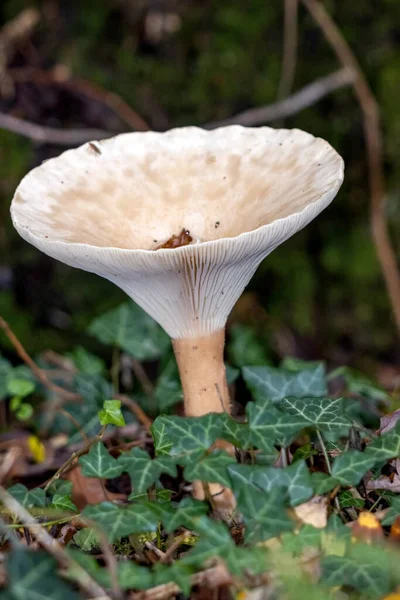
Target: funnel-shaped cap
{"x":106,"y":206}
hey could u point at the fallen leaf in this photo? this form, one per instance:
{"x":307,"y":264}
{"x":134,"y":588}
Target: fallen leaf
{"x":367,"y":528}
{"x":37,"y":448}
{"x":385,"y":483}
{"x":66,"y":534}
{"x":394,"y":535}
{"x":389,"y":421}
{"x":314,"y":512}
{"x":89,"y":490}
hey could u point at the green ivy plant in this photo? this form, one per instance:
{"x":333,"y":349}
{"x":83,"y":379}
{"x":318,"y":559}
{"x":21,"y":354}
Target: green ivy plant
{"x":295,"y":449}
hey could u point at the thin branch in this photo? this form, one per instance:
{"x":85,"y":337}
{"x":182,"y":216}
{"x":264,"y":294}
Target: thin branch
{"x":307,"y":96}
{"x":18,"y":28}
{"x":51,"y":135}
{"x":142,"y":377}
{"x":289,"y":59}
{"x":135,"y":409}
{"x":37,"y":371}
{"x":68,"y":463}
{"x":212,"y":578}
{"x":53,"y":547}
{"x":373,"y":140}
{"x":60,"y":76}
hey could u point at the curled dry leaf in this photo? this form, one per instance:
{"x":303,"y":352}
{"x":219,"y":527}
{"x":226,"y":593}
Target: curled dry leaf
{"x":388,"y":422}
{"x":314,"y":512}
{"x":176,"y":241}
{"x":367,"y":528}
{"x":391,"y":482}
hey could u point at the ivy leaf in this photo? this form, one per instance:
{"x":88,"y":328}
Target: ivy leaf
{"x":347,"y":499}
{"x":214,"y":541}
{"x":322,"y":483}
{"x":267,"y":426}
{"x":111,"y":413}
{"x":20,"y":387}
{"x":63,"y":502}
{"x":86,"y":362}
{"x":5,"y":371}
{"x":177,"y":572}
{"x":94,"y":390}
{"x":181,"y":436}
{"x":307,"y":537}
{"x":32,"y":576}
{"x":143,"y":470}
{"x":272,"y":384}
{"x":28,"y":498}
{"x":168,"y":390}
{"x":264,"y":514}
{"x":63,"y":487}
{"x":325,"y":414}
{"x":210,"y":467}
{"x":366,"y":577}
{"x":244,"y":347}
{"x":304,"y":452}
{"x":99,"y":463}
{"x":120,"y":521}
{"x":357,"y":383}
{"x":386,"y":446}
{"x":87,"y":539}
{"x":234,"y":432}
{"x":131,"y":575}
{"x":231,"y":374}
{"x":292,"y":363}
{"x":351,"y":466}
{"x":393,"y":511}
{"x":295,"y":480}
{"x":184,"y":514}
{"x":131,"y":329}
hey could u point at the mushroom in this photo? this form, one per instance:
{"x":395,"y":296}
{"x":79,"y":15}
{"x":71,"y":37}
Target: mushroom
{"x":121,"y":208}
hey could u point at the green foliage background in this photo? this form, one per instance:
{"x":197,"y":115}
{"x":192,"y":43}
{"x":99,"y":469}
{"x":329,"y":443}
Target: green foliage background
{"x":325,"y":284}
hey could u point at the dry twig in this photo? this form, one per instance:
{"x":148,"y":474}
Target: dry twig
{"x":289,"y":59}
{"x":68,"y":463}
{"x":212,"y":578}
{"x":135,"y":409}
{"x":373,"y":139}
{"x":10,"y":35}
{"x":37,"y":371}
{"x":307,"y":96}
{"x":60,"y":76}
{"x":51,"y":135}
{"x":53,"y":547}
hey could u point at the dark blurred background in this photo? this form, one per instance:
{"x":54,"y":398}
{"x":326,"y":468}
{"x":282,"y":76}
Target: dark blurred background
{"x":181,"y":62}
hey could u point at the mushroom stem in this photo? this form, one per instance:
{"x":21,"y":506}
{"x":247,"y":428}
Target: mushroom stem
{"x":202,"y":371}
{"x":205,"y":390}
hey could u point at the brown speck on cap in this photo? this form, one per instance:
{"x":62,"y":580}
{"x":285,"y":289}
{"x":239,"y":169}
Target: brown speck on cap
{"x":95,"y":148}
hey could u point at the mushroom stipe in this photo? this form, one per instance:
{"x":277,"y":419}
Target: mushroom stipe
{"x":242,"y":191}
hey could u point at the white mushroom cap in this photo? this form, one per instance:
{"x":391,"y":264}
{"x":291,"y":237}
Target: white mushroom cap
{"x":240,"y":192}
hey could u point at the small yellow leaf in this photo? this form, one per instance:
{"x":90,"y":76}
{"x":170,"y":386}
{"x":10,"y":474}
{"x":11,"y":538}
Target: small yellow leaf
{"x":37,"y":449}
{"x":394,"y":596}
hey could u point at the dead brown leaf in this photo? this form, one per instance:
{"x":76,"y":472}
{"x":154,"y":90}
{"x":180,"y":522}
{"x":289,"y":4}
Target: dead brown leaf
{"x":388,"y":422}
{"x":314,"y":512}
{"x":89,"y":490}
{"x":367,"y":528}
